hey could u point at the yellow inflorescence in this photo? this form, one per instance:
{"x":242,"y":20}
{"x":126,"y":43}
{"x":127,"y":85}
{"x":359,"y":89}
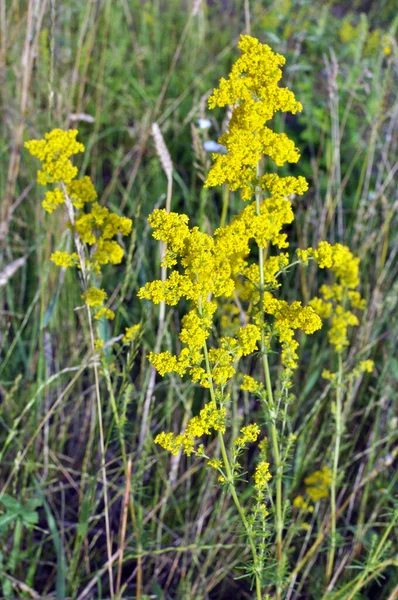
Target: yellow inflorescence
{"x":54,"y":152}
{"x":130,"y":334}
{"x":262,"y":475}
{"x":252,"y":87}
{"x":95,"y":297}
{"x":318,"y":484}
{"x":210,"y":418}
{"x":249,"y":433}
{"x":220,"y":268}
{"x":98,"y":225}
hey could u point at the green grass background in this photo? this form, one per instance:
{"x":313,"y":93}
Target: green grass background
{"x":111,"y":68}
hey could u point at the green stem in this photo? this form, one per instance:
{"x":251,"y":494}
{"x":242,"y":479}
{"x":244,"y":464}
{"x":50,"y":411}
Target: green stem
{"x":230,"y":478}
{"x":332,"y":551}
{"x":273,"y":429}
{"x":225,"y":203}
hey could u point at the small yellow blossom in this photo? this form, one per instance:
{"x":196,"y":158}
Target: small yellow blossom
{"x":105,"y":313}
{"x":208,"y":419}
{"x":81,"y":191}
{"x":250,"y":384}
{"x":54,"y":152}
{"x":98,"y":344}
{"x":318,"y":483}
{"x":302,"y":504}
{"x":95,"y":296}
{"x":130,"y":334}
{"x":249,"y":433}
{"x":52,"y":200}
{"x":261,"y":475}
{"x":64,"y":259}
{"x":215,"y":463}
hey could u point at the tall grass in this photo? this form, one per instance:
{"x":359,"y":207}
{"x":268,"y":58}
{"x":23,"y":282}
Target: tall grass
{"x":112,"y":70}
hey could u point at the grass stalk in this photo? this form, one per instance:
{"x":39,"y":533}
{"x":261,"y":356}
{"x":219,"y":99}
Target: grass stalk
{"x":333,"y":486}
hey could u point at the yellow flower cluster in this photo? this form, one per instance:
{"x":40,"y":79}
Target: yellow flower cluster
{"x":80,"y":191}
{"x":54,"y":152}
{"x":252,"y":87}
{"x":345,"y":266}
{"x":262,"y":475}
{"x":97,"y":227}
{"x":250,"y":384}
{"x":288,"y":318}
{"x":130,"y":334}
{"x":210,"y":418}
{"x":318,"y":483}
{"x":249,"y":433}
{"x":302,"y":504}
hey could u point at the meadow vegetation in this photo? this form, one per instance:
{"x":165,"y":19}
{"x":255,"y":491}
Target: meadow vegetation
{"x":198,"y":311}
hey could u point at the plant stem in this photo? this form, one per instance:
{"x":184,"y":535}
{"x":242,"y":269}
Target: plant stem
{"x":332,"y":551}
{"x":231,"y":480}
{"x":273,"y":429}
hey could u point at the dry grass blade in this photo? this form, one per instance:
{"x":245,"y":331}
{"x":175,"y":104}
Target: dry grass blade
{"x":10,"y":269}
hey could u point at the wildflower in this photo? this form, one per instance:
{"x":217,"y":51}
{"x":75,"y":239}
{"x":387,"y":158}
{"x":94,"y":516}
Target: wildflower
{"x":261,"y":475}
{"x":250,"y":384}
{"x":210,"y":418}
{"x":54,"y":152}
{"x":105,"y":313}
{"x":130,"y":334}
{"x":98,"y":344}
{"x":215,"y":463}
{"x":64,"y":259}
{"x":253,"y":87}
{"x":302,"y":504}
{"x":95,"y":297}
{"x":318,"y":483}
{"x":249,"y":433}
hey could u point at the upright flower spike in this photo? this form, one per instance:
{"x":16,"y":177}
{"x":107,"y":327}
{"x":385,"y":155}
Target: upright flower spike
{"x":96,"y":227}
{"x":253,"y":88}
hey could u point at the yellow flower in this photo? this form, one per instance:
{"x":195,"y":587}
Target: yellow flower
{"x":302,"y":504}
{"x":215,"y":463}
{"x":64,"y":259}
{"x":98,"y":344}
{"x":261,"y":475}
{"x":249,"y":433}
{"x":318,"y":483}
{"x":253,"y":88}
{"x":105,"y":313}
{"x":95,"y":297}
{"x":81,"y":191}
{"x":209,"y":418}
{"x":250,"y":384}
{"x":52,"y":200}
{"x":54,"y":152}
{"x":130,"y":334}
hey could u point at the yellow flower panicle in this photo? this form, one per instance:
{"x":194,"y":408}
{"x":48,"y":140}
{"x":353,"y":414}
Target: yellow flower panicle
{"x":345,"y":266}
{"x":95,"y":297}
{"x":249,"y":433}
{"x":262,"y":476}
{"x":130,"y":334}
{"x":210,"y":418}
{"x":249,"y":384}
{"x":98,"y":226}
{"x":301,"y":504}
{"x":54,"y":152}
{"x":253,"y":88}
{"x":318,"y":484}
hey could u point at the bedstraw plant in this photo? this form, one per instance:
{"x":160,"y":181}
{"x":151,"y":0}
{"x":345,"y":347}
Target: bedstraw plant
{"x":243,"y":262}
{"x":238,"y":332}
